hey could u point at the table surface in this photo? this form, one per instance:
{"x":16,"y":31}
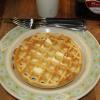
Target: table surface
{"x":21,"y":9}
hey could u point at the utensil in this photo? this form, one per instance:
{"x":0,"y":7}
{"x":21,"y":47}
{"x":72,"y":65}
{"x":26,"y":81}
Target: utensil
{"x":74,"y":24}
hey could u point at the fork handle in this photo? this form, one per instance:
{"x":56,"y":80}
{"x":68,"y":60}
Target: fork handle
{"x":66,"y":21}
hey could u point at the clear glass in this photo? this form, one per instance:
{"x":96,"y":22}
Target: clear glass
{"x":47,"y":8}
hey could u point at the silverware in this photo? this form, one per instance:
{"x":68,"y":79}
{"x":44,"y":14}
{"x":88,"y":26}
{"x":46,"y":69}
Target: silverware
{"x":74,"y":24}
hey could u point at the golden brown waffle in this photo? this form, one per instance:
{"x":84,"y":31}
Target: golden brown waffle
{"x":48,"y":60}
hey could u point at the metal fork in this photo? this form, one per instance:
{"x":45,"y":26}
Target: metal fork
{"x":73,"y":24}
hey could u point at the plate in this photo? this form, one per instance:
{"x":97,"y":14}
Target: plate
{"x":90,"y":47}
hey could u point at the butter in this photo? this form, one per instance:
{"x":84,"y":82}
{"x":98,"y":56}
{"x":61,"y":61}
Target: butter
{"x":48,"y":41}
{"x":55,"y":60}
{"x":59,"y":54}
{"x":37,"y":70}
{"x":34,"y":60}
{"x":38,"y":53}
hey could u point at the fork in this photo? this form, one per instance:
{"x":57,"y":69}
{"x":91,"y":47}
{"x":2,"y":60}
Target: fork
{"x":74,"y":24}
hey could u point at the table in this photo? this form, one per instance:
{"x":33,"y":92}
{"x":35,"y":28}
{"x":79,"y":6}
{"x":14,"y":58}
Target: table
{"x":27,"y":9}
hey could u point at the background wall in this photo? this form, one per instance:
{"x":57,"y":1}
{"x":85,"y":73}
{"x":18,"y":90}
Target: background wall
{"x":27,"y":8}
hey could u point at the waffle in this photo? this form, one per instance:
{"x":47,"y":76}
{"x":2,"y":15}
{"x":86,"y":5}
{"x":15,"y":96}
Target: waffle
{"x":47,"y":60}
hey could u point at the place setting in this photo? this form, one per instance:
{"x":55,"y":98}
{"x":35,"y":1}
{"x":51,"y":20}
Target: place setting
{"x":49,"y":58}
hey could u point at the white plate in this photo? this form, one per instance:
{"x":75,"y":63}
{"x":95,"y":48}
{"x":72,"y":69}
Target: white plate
{"x":90,"y":48}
